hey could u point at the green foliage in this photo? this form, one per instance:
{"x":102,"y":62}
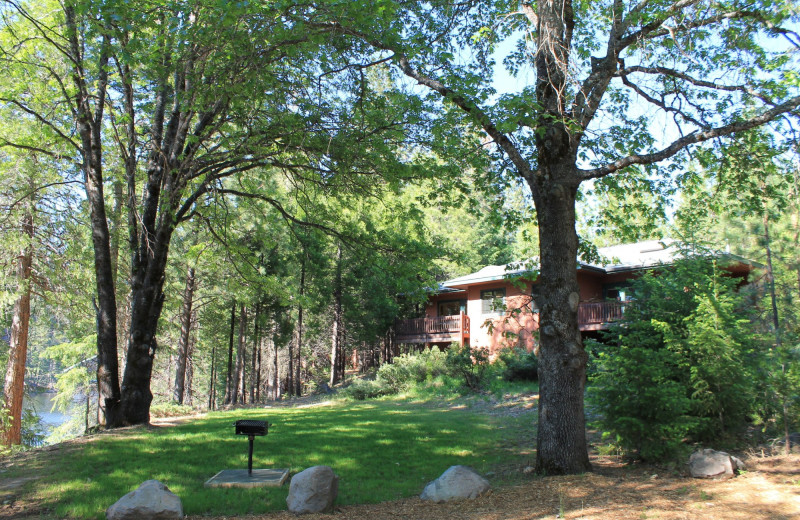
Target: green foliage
{"x":519,"y":364}
{"x":171,"y":410}
{"x":408,"y":369}
{"x":468,"y":364}
{"x":679,"y":366}
{"x":362,"y":389}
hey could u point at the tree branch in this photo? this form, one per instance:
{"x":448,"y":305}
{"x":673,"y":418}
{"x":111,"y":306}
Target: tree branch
{"x":693,"y":138}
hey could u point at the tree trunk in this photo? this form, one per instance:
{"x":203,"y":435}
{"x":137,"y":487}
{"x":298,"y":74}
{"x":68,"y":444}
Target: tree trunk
{"x":183,"y":342}
{"x":258,"y":371}
{"x":253,"y":367}
{"x":229,"y":376}
{"x":337,"y":319}
{"x":188,"y":394}
{"x":237,"y":395}
{"x":299,"y":328}
{"x":212,"y":382}
{"x":14,"y":387}
{"x":275,"y":379}
{"x":89,"y":111}
{"x":561,"y":439}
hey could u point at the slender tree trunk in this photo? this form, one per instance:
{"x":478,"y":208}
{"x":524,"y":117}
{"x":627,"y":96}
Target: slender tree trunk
{"x":258,"y":371}
{"x":212,"y":381}
{"x":89,"y":121}
{"x":183,"y":341}
{"x":229,"y":376}
{"x":188,"y":394}
{"x":337,"y":319}
{"x":14,"y":387}
{"x":275,"y":379}
{"x":238,"y":389}
{"x":290,"y":369}
{"x":253,"y":367}
{"x":299,"y":328}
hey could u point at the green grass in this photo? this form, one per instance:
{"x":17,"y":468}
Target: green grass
{"x":381,"y":450}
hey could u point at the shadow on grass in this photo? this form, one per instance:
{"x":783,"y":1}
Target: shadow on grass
{"x":381,"y":451}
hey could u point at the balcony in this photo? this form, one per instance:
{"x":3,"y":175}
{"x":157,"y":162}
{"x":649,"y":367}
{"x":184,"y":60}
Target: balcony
{"x":446,"y":329}
{"x":442,"y":329}
{"x":599,"y":315}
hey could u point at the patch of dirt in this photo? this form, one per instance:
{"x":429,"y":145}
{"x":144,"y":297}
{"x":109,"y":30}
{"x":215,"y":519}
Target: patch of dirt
{"x":612,"y":491}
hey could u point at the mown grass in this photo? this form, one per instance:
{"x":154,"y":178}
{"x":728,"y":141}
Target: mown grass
{"x":381,"y":450}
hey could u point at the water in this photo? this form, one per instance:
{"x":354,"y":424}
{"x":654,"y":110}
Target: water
{"x":42,"y":405}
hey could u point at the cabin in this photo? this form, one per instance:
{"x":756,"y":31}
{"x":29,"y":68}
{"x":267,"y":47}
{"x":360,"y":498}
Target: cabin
{"x":494,"y":308}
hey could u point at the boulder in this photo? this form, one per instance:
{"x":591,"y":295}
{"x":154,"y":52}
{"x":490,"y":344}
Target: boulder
{"x":709,"y":463}
{"x":456,"y":482}
{"x":150,"y":501}
{"x":313,"y":490}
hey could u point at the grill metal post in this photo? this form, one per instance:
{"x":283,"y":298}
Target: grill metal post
{"x":250,"y":456}
{"x":251,"y":429}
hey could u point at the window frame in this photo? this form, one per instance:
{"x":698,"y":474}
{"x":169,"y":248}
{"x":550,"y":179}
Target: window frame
{"x":493,"y":309}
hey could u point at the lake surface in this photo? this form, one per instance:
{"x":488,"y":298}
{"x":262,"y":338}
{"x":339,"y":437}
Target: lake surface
{"x":42,"y":405}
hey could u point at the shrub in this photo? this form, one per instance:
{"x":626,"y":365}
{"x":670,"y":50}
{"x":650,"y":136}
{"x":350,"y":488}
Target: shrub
{"x":678,"y":367}
{"x":410,"y":369}
{"x":170,"y":410}
{"x":468,"y":364}
{"x":519,"y":364}
{"x":365,"y":389}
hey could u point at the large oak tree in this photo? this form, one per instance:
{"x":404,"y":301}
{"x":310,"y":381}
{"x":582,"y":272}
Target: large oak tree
{"x":615,"y":88}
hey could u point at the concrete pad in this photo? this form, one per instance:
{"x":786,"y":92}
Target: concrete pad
{"x":239,"y":478}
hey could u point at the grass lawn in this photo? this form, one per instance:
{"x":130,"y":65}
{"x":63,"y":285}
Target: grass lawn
{"x":381,"y":450}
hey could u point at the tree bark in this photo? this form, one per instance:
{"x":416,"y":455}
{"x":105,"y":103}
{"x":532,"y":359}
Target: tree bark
{"x":238,"y":391}
{"x":275,"y":379}
{"x":253,"y":361}
{"x":561,"y":439}
{"x":212,"y":382}
{"x":337,"y":319}
{"x":183,"y":341}
{"x":89,"y":121}
{"x":299,"y":327}
{"x":14,"y":387}
{"x":229,"y":376}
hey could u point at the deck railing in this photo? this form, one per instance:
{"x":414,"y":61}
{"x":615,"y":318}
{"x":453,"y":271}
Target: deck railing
{"x":591,"y":313}
{"x":438,"y":325}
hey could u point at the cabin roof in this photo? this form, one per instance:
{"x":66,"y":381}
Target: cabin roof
{"x":614,"y":259}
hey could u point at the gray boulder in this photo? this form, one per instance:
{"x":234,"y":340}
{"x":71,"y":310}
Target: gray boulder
{"x":150,"y":501}
{"x":456,"y":482}
{"x":709,"y":463}
{"x":313,"y":490}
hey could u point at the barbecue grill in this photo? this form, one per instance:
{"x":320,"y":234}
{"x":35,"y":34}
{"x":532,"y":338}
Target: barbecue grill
{"x":251,"y":428}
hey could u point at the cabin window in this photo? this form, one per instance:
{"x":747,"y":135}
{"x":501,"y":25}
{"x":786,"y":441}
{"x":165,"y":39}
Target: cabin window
{"x":493,"y":301}
{"x":452,"y":307}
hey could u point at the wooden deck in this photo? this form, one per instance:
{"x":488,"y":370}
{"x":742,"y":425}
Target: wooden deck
{"x":442,"y":329}
{"x":447,"y":329}
{"x":599,"y":315}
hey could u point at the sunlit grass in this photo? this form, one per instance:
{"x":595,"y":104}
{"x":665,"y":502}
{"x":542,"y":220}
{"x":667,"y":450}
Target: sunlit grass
{"x":381,"y":450}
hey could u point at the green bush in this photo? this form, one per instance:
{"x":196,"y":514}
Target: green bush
{"x":643,"y":408}
{"x":469,"y":365}
{"x":170,"y":410}
{"x":362,"y":389}
{"x":519,"y":364}
{"x":679,"y":367}
{"x":407,"y":370}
